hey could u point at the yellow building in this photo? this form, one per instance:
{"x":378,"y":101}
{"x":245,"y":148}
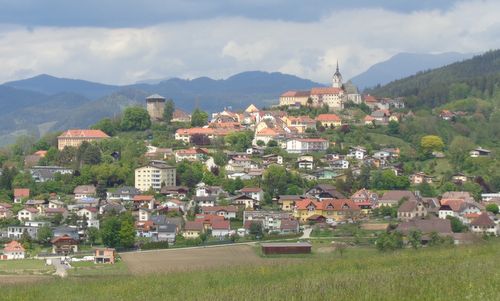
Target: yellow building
{"x":75,"y":138}
{"x":287,"y":202}
{"x":192,"y":230}
{"x":329,"y":120}
{"x":154,"y":175}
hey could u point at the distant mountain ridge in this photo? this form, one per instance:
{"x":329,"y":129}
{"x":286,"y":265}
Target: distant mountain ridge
{"x":405,"y":64}
{"x":46,"y":103}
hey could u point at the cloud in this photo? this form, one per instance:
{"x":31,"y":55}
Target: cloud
{"x":221,"y":46}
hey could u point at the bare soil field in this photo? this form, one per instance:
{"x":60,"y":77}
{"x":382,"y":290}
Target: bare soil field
{"x":375,"y":226}
{"x":161,"y":261}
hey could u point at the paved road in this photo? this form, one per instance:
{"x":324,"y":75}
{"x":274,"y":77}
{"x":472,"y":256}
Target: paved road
{"x":306,"y":234}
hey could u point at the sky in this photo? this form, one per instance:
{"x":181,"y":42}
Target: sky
{"x":125,"y":41}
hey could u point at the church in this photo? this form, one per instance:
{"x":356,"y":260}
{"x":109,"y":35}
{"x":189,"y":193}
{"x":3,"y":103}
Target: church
{"x":334,"y":97}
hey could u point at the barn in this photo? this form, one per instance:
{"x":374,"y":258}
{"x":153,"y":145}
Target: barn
{"x":286,"y":248}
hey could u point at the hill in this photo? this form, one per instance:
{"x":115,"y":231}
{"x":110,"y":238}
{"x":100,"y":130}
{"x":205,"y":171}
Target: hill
{"x":46,"y":103}
{"x":477,"y":76}
{"x":359,"y":274}
{"x":404,"y":64}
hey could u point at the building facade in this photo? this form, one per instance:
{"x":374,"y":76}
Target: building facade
{"x":155,"y":175}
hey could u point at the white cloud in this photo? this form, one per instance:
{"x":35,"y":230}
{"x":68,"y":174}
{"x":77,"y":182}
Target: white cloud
{"x":223,"y":46}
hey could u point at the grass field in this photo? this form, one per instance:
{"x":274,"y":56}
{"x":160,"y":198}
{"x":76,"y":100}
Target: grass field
{"x":25,"y":267}
{"x":455,"y":273}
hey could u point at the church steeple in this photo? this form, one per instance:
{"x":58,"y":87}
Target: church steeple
{"x":337,"y":78}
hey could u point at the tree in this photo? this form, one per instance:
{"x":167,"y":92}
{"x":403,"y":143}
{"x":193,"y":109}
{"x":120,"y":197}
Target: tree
{"x":44,"y":234}
{"x":88,"y":154}
{"x":456,"y":224}
{"x":256,"y":229}
{"x":393,"y":128}
{"x":110,"y":231}
{"x":168,"y":111}
{"x":431,"y":143}
{"x":135,"y":119}
{"x":415,"y":238}
{"x":239,"y":141}
{"x":92,"y":235}
{"x":199,"y":118}
{"x":275,"y":180}
{"x":57,"y":219}
{"x":459,"y":150}
{"x":101,"y":191}
{"x":127,"y":234}
{"x":493,"y":208}
{"x":26,"y":240}
{"x":106,"y":125}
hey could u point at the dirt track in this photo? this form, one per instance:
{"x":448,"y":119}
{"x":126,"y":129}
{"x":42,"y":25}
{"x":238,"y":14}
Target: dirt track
{"x":162,"y":261}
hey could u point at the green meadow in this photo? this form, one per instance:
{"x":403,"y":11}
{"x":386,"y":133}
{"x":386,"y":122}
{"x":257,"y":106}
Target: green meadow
{"x":447,"y":273}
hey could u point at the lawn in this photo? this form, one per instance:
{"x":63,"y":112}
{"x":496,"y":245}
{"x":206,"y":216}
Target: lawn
{"x":90,"y":269}
{"x":25,"y":267}
{"x":453,"y":273}
{"x":383,"y":139}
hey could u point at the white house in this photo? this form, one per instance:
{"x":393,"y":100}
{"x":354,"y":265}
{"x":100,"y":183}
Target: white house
{"x":27,"y":214}
{"x":13,"y":250}
{"x":444,"y":211}
{"x":253,"y":192}
{"x":483,"y":224}
{"x":357,"y":153}
{"x":89,"y":212}
{"x":305,"y":145}
{"x":221,"y":228}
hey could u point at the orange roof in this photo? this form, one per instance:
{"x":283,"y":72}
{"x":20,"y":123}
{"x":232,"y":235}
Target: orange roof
{"x":454,"y":204}
{"x":221,"y":225}
{"x":369,"y":118}
{"x":333,"y":204}
{"x":267,"y":132}
{"x":143,"y":198}
{"x":311,"y":140}
{"x":84,"y":134}
{"x":289,"y":94}
{"x":41,"y":153}
{"x":21,"y":192}
{"x":328,"y":117}
{"x":13,"y":246}
{"x":194,"y":131}
{"x":370,"y":98}
{"x":325,"y":90}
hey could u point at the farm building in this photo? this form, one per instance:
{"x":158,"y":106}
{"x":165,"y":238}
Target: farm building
{"x":286,"y":248}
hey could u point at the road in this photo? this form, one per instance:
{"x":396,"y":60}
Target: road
{"x":307,"y":233}
{"x":60,"y":267}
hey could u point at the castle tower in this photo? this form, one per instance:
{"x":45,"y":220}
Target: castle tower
{"x":155,"y":104}
{"x":337,"y":78}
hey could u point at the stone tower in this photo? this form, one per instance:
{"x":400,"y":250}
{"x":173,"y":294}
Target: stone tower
{"x":155,"y":105}
{"x":337,"y":78}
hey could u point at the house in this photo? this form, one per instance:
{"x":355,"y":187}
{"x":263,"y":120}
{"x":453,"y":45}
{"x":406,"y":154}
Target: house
{"x":228,"y":212}
{"x":479,"y":152}
{"x":155,"y":175}
{"x":446,"y":115}
{"x":66,"y":231}
{"x":301,"y":123}
{"x":329,"y":120}
{"x":445,"y":211}
{"x":37,"y":204}
{"x":43,"y":174}
{"x":333,"y":209}
{"x":324,"y":191}
{"x":419,"y":178}
{"x":27,"y":214}
{"x":90,"y":213}
{"x":305,"y":162}
{"x":15,"y":232}
{"x":104,"y":255}
{"x":364,"y":195}
{"x":455,"y":195}
{"x":192,"y":229}
{"x":272,"y":159}
{"x":253,"y":192}
{"x":203,"y":201}
{"x":126,"y":193}
{"x":394,"y":197}
{"x":5,"y":212}
{"x":74,"y":138}
{"x":21,"y":194}
{"x":483,"y":224}
{"x":180,"y":116}
{"x":270,"y":220}
{"x":221,"y":228}
{"x":245,"y":201}
{"x":306,"y":145}
{"x":144,"y":214}
{"x":179,"y":192}
{"x":411,"y":209}
{"x":174,"y":204}
{"x":287,"y":202}
{"x":191,"y":154}
{"x":357,"y":153}
{"x":55,"y":203}
{"x":426,"y":227}
{"x":203,"y":190}
{"x":13,"y":250}
{"x":459,"y":178}
{"x":52,"y":212}
{"x":84,"y":191}
{"x":165,"y":232}
{"x":144,"y":201}
{"x":64,"y":245}
{"x":339,"y":164}
{"x":288,"y":226}
{"x":369,"y":120}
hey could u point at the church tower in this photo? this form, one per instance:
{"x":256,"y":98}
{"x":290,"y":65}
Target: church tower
{"x":337,"y":78}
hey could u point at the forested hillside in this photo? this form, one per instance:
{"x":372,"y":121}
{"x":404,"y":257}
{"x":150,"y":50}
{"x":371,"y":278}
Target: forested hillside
{"x":478,"y":77}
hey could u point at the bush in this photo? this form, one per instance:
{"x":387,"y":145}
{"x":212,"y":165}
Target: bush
{"x":154,"y":245}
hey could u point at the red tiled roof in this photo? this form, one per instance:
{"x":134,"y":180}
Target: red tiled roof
{"x":333,"y":204}
{"x":21,"y":192}
{"x":193,"y":226}
{"x":370,"y":98}
{"x":14,"y":246}
{"x":32,"y":210}
{"x":483,"y":220}
{"x":143,"y":198}
{"x":328,"y":117}
{"x":221,"y":225}
{"x":311,"y":140}
{"x":75,"y":133}
{"x":325,"y":90}
{"x":251,"y":189}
